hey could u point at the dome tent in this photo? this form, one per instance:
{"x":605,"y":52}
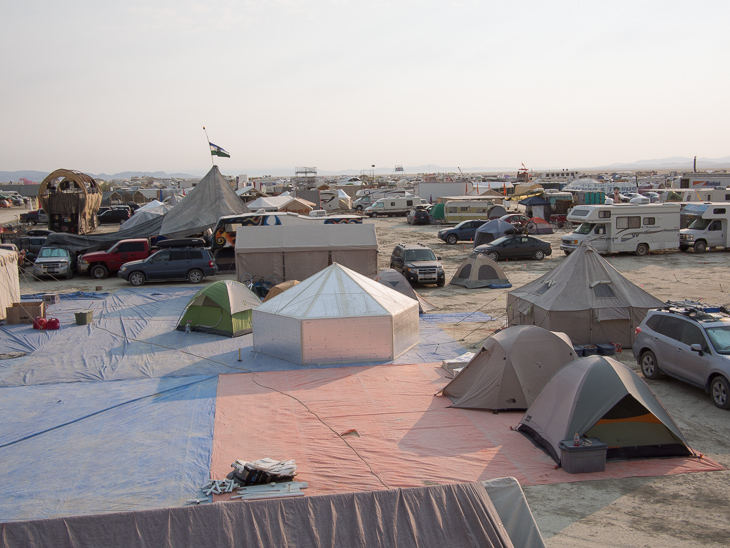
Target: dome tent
{"x":223,"y":308}
{"x":480,"y":271}
{"x":491,"y":230}
{"x":511,"y":369}
{"x":336,"y":316}
{"x":390,"y":277}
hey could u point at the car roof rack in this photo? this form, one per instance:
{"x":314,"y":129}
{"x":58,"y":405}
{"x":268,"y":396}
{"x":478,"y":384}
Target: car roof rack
{"x":695,"y":309}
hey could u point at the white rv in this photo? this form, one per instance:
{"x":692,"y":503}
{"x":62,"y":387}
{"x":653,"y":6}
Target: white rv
{"x":366,"y":197}
{"x":709,"y":229}
{"x":385,"y":207}
{"x":633,"y":228}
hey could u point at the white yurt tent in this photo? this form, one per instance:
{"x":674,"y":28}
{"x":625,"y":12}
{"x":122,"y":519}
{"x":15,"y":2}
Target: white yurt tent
{"x":336,"y":316}
{"x":9,"y":280}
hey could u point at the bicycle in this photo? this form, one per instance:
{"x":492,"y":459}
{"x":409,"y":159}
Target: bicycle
{"x":260,"y":285}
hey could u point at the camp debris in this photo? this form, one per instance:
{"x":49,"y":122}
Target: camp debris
{"x":263,"y":471}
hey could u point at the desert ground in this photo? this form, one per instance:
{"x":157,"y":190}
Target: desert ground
{"x":677,"y":510}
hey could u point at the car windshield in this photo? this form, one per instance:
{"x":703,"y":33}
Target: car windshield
{"x":52,"y":252}
{"x":700,"y":224}
{"x":499,"y":241}
{"x":419,"y":255}
{"x":720,"y":338}
{"x":584,"y":228}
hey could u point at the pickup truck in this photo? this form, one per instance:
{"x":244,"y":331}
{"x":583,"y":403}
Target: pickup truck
{"x":100,"y":263}
{"x":34,"y":217}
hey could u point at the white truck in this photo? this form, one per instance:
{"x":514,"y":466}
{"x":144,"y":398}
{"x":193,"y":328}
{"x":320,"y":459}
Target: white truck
{"x":709,"y":229}
{"x":385,"y":207}
{"x":616,"y":228}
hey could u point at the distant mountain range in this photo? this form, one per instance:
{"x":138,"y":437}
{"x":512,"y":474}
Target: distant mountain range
{"x":677,"y":163}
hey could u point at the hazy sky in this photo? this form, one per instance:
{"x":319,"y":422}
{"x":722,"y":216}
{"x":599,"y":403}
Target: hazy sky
{"x":343,"y":84}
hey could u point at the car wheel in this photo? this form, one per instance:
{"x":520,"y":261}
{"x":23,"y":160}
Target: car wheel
{"x":359,"y":209}
{"x":195,"y":276}
{"x":452,"y":239}
{"x":720,"y":392}
{"x":33,"y":222}
{"x":493,"y":255}
{"x":374,"y":215}
{"x":69,"y":274}
{"x":700,"y":247}
{"x":441,"y":282}
{"x":136,"y":278}
{"x":99,"y":272}
{"x":649,"y":367}
{"x":539,"y":255}
{"x":641,"y":250}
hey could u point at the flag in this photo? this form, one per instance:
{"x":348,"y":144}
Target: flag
{"x":215,"y":150}
{"x":504,"y":188}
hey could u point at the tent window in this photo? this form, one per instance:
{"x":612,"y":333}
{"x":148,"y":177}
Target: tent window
{"x":464,"y":272}
{"x":604,"y":291}
{"x":543,"y":288}
{"x":487,"y":272}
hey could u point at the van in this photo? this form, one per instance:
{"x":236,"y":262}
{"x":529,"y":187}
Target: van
{"x":386,"y":207}
{"x":616,"y":228}
{"x":709,"y":229}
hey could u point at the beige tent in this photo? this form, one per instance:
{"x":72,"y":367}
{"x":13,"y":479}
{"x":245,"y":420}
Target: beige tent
{"x":336,"y":316}
{"x":480,"y":271}
{"x":511,"y":369}
{"x":295,"y":252}
{"x":278,"y":289}
{"x":9,"y":280}
{"x":584,"y":297}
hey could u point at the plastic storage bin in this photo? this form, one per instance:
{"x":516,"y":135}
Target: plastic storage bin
{"x":583,"y":459}
{"x":606,"y":349}
{"x":84,"y":318}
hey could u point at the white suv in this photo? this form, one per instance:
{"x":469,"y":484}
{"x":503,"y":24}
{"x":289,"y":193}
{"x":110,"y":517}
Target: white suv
{"x":690,"y":341}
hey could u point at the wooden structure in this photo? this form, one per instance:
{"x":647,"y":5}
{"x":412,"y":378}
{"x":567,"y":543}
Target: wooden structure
{"x":71,"y":200}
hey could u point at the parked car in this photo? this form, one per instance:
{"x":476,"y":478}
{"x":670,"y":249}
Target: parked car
{"x":418,"y":216}
{"x":54,"y":261}
{"x":464,"y":231}
{"x":100,"y":263}
{"x":191,"y":263}
{"x":689,"y":341}
{"x":114,"y":215}
{"x":418,"y":264}
{"x":515,"y":247}
{"x":34,"y":217}
{"x":515,"y":219}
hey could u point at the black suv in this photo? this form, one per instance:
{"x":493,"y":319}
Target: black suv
{"x":114,"y":215}
{"x":418,"y":216}
{"x":418,"y":264}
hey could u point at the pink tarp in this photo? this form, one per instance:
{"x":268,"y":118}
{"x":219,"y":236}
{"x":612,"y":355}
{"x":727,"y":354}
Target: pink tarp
{"x":368,"y":428}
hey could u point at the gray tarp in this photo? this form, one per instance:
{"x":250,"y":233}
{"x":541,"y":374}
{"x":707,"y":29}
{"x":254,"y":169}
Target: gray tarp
{"x":94,"y":242}
{"x":443,"y":515}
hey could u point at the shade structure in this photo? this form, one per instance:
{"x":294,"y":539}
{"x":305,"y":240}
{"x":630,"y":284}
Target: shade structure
{"x":584,"y":297}
{"x":223,"y":307}
{"x":480,"y":271}
{"x":599,"y":397}
{"x":390,"y":277}
{"x":511,"y":369}
{"x":336,"y":316}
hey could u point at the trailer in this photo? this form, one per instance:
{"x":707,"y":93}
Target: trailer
{"x":709,"y":229}
{"x":624,"y":228}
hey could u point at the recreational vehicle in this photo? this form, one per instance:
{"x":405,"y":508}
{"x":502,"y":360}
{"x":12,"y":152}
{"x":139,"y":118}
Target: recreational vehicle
{"x":709,"y":229}
{"x":385,"y":207}
{"x":366,"y":197}
{"x":633,"y":228}
{"x":456,"y":211}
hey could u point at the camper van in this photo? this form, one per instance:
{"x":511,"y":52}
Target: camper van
{"x":456,"y":211}
{"x":386,"y":207}
{"x":709,"y":229}
{"x":616,"y":228}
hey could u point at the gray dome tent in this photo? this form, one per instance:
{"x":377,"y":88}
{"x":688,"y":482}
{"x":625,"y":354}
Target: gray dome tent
{"x":491,"y":230}
{"x":393,"y":279}
{"x":480,"y":271}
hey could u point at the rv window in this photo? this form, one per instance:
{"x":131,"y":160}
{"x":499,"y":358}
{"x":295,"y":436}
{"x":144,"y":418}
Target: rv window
{"x":409,"y":202}
{"x":719,"y":210}
{"x":649,"y":220}
{"x":628,"y":222}
{"x":451,"y":210}
{"x":604,"y":214}
{"x":580,"y":212}
{"x":464,"y":208}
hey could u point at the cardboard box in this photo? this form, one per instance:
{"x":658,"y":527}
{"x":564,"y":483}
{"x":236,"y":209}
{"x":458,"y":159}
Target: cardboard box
{"x":25,"y":312}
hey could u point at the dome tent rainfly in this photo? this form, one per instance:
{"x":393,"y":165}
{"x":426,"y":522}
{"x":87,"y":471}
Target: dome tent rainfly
{"x":599,"y":397}
{"x":511,"y":369}
{"x":336,"y":316}
{"x":222,"y":308}
{"x":390,"y":277}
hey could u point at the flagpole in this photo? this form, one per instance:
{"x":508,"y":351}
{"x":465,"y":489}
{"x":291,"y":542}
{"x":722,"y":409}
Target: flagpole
{"x":208,"y":139}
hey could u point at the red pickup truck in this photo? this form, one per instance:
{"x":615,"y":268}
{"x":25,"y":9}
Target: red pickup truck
{"x":100,"y":263}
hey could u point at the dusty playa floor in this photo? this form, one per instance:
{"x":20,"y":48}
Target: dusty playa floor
{"x":677,"y":510}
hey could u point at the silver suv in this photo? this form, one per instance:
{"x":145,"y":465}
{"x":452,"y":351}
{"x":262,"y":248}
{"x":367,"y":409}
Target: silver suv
{"x":690,"y":341}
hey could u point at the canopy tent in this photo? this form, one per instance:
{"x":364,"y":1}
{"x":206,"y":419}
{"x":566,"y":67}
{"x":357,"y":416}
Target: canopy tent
{"x":269,"y":203}
{"x":336,"y":316}
{"x":511,"y":369}
{"x":480,"y":271}
{"x":491,"y":230}
{"x":223,"y":308}
{"x":395,"y":280}
{"x":211,"y":199}
{"x":585,"y":297}
{"x":9,"y":280}
{"x":599,"y":397}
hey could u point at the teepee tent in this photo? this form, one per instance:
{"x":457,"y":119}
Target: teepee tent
{"x":480,"y":271}
{"x":336,"y":316}
{"x":390,"y":277}
{"x":584,"y":297}
{"x":599,"y":397}
{"x":511,"y":369}
{"x":223,"y":308}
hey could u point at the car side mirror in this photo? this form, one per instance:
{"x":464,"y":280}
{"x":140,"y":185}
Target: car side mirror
{"x":697,"y":348}
{"x":438,"y":258}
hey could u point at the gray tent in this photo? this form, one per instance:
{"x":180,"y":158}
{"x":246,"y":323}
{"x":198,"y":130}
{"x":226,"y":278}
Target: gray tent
{"x":480,"y":271}
{"x":395,"y":280}
{"x":598,"y":397}
{"x":491,"y":230}
{"x":511,"y":369}
{"x":585,"y":297}
{"x":201,"y":208}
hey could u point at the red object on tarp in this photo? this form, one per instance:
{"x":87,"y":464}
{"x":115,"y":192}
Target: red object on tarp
{"x":39,"y":323}
{"x":53,"y":323}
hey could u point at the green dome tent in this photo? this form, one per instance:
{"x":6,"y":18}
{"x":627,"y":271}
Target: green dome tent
{"x":222,"y":308}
